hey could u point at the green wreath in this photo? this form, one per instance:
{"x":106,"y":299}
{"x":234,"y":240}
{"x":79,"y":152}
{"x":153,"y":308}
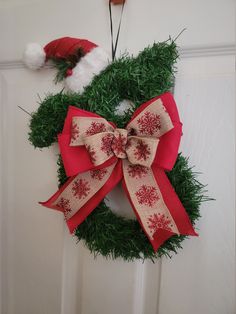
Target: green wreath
{"x":138,"y":80}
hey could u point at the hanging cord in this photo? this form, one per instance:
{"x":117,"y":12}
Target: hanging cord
{"x":114,"y":47}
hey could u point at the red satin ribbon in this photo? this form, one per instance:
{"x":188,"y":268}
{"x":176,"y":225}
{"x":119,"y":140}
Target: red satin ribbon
{"x":76,"y":161}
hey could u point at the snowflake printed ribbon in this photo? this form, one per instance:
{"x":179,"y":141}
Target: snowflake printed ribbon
{"x":97,"y":156}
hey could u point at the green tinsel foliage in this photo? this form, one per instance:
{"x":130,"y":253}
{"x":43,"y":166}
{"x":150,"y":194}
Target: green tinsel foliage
{"x":112,"y":236}
{"x":49,"y":119}
{"x":137,"y":79}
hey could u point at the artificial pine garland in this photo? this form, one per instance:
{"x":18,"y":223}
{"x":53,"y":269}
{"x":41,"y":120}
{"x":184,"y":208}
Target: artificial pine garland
{"x":137,"y":79}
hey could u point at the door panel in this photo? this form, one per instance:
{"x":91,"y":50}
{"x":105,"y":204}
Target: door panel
{"x":43,"y":270}
{"x":200,"y":279}
{"x":33,"y":236}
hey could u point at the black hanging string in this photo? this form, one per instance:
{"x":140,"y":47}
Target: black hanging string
{"x":114,"y":46}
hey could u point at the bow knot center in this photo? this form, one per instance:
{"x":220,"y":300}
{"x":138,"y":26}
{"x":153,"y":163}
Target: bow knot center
{"x":119,"y":143}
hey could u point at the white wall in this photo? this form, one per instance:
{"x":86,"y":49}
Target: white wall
{"x":208,"y":22}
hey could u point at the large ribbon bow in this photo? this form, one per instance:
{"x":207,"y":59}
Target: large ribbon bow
{"x":97,"y":156}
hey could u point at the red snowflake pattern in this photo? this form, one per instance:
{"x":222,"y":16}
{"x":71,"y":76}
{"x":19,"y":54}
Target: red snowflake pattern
{"x":107,"y":143}
{"x":64,"y":203}
{"x":98,"y":174}
{"x":96,"y":127}
{"x":159,"y":221}
{"x":142,"y":151}
{"x":74,"y":131}
{"x":91,"y":152}
{"x":137,"y":171}
{"x":149,"y":123}
{"x":147,"y":195}
{"x":80,"y":188}
{"x":118,"y":145}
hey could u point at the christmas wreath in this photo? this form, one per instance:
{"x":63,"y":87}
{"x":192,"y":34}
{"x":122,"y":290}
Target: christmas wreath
{"x":118,"y":122}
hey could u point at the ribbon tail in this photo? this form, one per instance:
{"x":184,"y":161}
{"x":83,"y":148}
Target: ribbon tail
{"x":81,"y":194}
{"x":155,"y":203}
{"x":173,"y":203}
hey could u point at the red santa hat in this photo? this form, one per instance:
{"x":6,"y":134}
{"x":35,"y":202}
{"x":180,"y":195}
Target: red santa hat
{"x":92,"y":59}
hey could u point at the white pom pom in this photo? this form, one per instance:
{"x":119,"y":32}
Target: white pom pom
{"x":34,"y":56}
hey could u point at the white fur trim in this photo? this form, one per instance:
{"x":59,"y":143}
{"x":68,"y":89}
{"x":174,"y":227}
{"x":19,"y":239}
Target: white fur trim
{"x":34,"y":56}
{"x":87,"y":68}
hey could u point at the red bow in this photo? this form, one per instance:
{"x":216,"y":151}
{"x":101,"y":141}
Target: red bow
{"x":97,"y":155}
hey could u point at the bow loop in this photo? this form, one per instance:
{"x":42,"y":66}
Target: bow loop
{"x":83,"y":127}
{"x":152,"y":121}
{"x":99,"y":147}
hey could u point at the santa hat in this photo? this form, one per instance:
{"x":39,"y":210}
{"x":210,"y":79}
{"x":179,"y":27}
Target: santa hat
{"x":83,"y":59}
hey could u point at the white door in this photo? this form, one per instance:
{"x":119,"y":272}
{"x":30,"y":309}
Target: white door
{"x":42,"y":270}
